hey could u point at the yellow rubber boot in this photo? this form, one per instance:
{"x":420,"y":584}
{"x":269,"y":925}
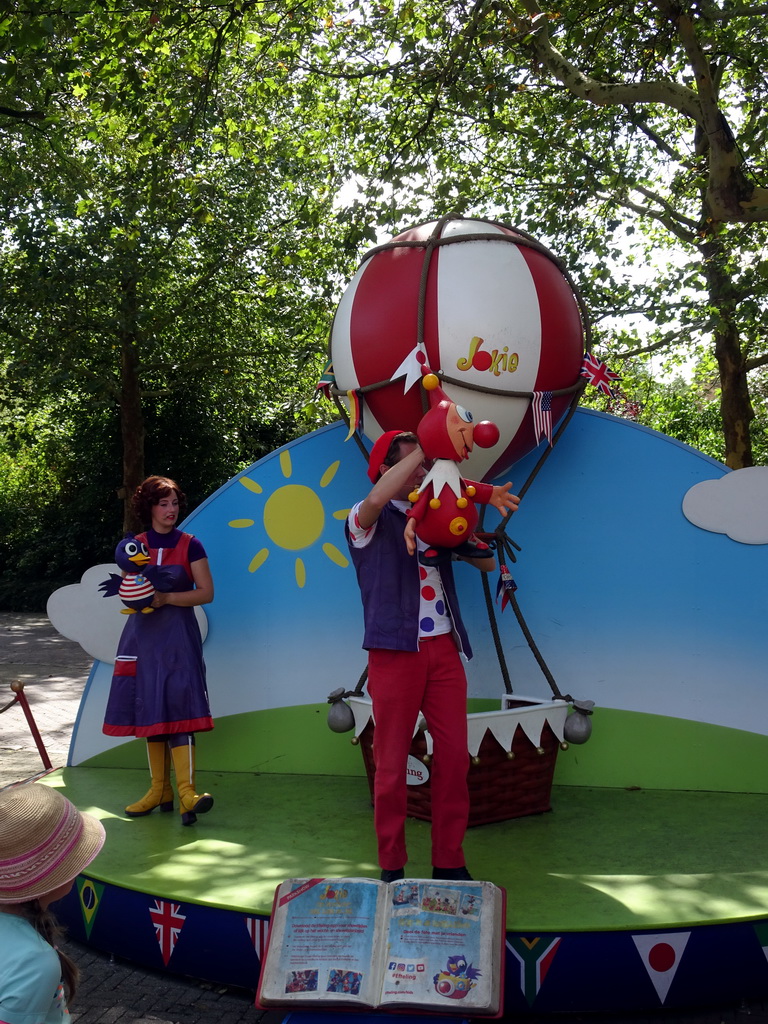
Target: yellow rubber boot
{"x":160,"y":793}
{"x":190,"y":803}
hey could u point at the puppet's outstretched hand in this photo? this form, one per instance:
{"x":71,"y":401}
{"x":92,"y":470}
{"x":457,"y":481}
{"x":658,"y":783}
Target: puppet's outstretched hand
{"x":410,"y":536}
{"x":503,"y":500}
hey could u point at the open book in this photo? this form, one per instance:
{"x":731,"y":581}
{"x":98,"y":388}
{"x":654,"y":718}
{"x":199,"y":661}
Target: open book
{"x":357,"y":942}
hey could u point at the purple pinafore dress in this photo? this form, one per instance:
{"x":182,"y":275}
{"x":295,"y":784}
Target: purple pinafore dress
{"x":159,"y":685}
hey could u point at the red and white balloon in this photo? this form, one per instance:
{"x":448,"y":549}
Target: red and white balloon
{"x":497,"y":313}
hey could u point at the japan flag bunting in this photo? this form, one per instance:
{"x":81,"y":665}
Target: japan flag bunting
{"x":661,"y":955}
{"x":257,"y":929}
{"x":534,"y":956}
{"x":168,"y":921}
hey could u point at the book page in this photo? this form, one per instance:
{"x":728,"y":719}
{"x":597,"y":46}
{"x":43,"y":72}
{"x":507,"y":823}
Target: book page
{"x":323,"y":943}
{"x":444,"y":946}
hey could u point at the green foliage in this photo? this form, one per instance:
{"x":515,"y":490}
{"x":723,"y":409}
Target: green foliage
{"x":169,"y":259}
{"x":58,"y":513}
{"x":174,"y":241}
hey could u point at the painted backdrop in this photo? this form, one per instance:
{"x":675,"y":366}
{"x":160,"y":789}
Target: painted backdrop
{"x":658,"y":620}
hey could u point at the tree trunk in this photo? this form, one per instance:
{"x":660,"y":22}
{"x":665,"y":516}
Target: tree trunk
{"x":131,"y":415}
{"x":735,"y":405}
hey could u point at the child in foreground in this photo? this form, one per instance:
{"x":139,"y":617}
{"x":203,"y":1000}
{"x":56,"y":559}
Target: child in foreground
{"x":45,"y":842}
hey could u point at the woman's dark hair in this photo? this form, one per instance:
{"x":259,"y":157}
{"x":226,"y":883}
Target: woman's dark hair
{"x":46,"y":925}
{"x":151,"y":491}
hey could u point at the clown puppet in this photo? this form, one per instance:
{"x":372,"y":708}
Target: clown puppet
{"x":444,"y":515}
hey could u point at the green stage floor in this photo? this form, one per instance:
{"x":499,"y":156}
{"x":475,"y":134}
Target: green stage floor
{"x":603,"y":859}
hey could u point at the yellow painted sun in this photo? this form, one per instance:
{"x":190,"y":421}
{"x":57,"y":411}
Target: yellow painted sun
{"x":294,"y":519}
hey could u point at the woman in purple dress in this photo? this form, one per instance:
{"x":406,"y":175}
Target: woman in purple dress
{"x":158,"y":690}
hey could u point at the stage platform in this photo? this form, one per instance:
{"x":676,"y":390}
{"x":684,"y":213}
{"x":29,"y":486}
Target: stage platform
{"x":616,"y":899}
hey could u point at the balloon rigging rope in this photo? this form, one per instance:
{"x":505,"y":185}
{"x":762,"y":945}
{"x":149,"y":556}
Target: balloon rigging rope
{"x":506,"y":550}
{"x":498,"y":539}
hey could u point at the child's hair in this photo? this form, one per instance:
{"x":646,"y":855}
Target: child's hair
{"x":46,"y":925}
{"x":151,"y":492}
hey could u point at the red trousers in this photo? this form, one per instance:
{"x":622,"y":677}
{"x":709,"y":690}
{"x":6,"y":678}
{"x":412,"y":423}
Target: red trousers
{"x":400,"y":684}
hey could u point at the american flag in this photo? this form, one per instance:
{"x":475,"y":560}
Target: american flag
{"x":168,"y":922}
{"x":597,"y":373}
{"x":542,"y":415}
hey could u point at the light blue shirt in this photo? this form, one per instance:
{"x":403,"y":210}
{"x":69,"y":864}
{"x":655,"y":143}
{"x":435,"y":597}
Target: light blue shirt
{"x":31,"y":991}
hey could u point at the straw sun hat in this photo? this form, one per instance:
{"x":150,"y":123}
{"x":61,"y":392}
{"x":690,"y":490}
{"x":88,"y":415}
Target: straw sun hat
{"x":44,"y":842}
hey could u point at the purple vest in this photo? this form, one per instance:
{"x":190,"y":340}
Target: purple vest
{"x":389,"y":587}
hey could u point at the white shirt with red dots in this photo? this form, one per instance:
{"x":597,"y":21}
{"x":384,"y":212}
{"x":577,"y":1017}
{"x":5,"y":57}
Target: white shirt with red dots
{"x":433,"y":610}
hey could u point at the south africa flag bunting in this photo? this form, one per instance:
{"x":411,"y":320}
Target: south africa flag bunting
{"x":535,"y":956}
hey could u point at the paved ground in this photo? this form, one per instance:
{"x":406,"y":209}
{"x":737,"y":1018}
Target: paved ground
{"x":54,"y":671}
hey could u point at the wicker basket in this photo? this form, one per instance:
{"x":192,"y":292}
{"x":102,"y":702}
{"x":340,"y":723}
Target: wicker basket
{"x":500,"y":786}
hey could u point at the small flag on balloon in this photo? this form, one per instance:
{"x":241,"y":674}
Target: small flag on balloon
{"x":597,"y":373}
{"x":327,"y":380}
{"x":355,"y":413}
{"x":505,"y":586}
{"x":410,"y":368}
{"x":542,"y":415}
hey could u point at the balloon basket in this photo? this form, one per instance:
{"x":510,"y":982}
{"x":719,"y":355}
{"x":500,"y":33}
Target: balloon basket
{"x":513,"y":753}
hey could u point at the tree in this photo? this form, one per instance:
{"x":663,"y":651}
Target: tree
{"x":647,"y":119}
{"x":178,"y":231}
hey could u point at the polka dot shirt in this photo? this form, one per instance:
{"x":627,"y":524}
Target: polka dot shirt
{"x":433,"y":612}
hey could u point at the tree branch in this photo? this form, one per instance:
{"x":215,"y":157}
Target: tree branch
{"x":23,"y":115}
{"x":679,"y":97}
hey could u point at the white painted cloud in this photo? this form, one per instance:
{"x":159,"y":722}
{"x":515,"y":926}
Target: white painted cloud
{"x":81,"y":613}
{"x":736,"y":504}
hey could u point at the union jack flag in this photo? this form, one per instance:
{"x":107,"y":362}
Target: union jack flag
{"x":542,"y":415}
{"x":168,"y":922}
{"x":597,"y":373}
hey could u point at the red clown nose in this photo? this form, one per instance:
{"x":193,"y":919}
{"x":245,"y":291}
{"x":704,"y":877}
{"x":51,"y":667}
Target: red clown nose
{"x":486,"y":434}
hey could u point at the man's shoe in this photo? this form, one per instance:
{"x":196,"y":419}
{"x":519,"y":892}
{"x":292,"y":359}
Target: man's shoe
{"x":452,"y":874}
{"x":392,"y":874}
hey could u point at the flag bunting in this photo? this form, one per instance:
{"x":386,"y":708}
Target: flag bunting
{"x":355,"y":413}
{"x":505,"y":586}
{"x":542,"y":415}
{"x":597,"y":373}
{"x":327,"y":380}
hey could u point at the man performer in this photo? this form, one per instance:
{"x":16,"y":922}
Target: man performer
{"x":414,"y":636}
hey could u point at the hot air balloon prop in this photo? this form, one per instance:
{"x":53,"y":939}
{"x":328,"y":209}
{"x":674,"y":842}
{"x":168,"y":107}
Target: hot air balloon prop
{"x":493,"y":317}
{"x":490,"y":309}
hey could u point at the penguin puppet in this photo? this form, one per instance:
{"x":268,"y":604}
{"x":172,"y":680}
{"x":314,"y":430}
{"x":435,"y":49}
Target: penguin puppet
{"x":136,"y":588}
{"x":443,"y":513}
